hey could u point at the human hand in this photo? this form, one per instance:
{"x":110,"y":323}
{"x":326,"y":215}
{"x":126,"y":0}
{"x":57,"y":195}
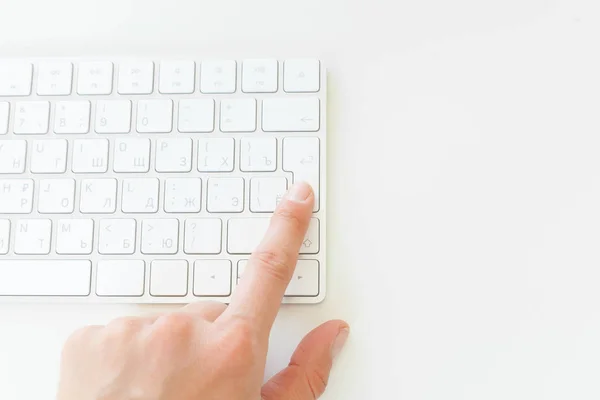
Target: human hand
{"x":210,"y":351}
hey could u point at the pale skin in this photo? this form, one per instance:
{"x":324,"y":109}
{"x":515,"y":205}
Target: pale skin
{"x":210,"y":351}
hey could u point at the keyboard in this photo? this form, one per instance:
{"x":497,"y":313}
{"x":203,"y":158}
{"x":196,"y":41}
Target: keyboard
{"x":152,"y":181}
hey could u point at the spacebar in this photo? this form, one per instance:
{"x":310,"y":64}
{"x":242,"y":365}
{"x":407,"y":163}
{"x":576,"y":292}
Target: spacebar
{"x":45,"y":277}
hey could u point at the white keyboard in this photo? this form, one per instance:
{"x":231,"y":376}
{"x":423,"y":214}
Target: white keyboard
{"x":152,"y":181}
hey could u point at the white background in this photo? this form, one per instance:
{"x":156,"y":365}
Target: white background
{"x":464,"y":184}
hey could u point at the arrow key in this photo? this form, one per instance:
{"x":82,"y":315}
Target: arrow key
{"x":212,"y":278}
{"x":305,"y":282}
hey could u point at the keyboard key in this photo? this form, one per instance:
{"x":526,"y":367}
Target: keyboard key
{"x":202,"y":236}
{"x":31,"y":117}
{"x":196,"y":115}
{"x":72,"y":117}
{"x":301,"y":156}
{"x":140,"y":195}
{"x":32,"y":236}
{"x":259,"y":76}
{"x":216,"y":154}
{"x":54,"y":78}
{"x":155,"y":116}
{"x":301,"y":76}
{"x":120,"y":278}
{"x":4,"y":117}
{"x":218,"y":76}
{"x":183,"y":195}
{"x":45,"y":277}
{"x":160,"y":236}
{"x":169,"y":278}
{"x":57,"y":196}
{"x":225,"y":195}
{"x":4,"y":235}
{"x":136,"y":77}
{"x":15,"y":78}
{"x":238,"y":115}
{"x":98,"y":196}
{"x":13,"y":154}
{"x":266,"y":193}
{"x":291,"y":114}
{"x":113,"y":116}
{"x":132,"y":155}
{"x":177,"y":77}
{"x":241,"y":268}
{"x":95,"y":78}
{"x":305,"y":281}
{"x":16,"y":196}
{"x":245,"y":234}
{"x":117,"y":236}
{"x":90,"y":156}
{"x":174,"y":155}
{"x":212,"y":278}
{"x":49,"y":156}
{"x":311,"y":243}
{"x":258,"y":154}
{"x":74,"y":236}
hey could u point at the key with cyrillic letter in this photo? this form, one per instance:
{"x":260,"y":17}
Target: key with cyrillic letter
{"x":16,"y":196}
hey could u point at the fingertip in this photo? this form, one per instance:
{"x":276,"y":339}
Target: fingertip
{"x":335,"y":325}
{"x":319,"y":344}
{"x":300,"y":192}
{"x":340,"y":341}
{"x":291,"y":219}
{"x":341,"y":324}
{"x":310,"y":366}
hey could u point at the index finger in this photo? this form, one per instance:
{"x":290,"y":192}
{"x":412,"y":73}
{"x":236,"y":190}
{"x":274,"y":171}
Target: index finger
{"x":270,"y":268}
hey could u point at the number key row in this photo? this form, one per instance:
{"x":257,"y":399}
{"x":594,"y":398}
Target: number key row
{"x":157,"y":116}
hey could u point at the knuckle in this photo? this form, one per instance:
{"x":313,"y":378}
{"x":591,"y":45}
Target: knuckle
{"x":176,"y":325}
{"x":238,"y":345}
{"x":272,"y":263}
{"x":205,"y":307}
{"x":317,"y":382}
{"x":170,"y":334}
{"x":78,"y":339}
{"x":122,"y":326}
{"x":215,"y":305}
{"x":78,"y":336}
{"x":213,"y":309}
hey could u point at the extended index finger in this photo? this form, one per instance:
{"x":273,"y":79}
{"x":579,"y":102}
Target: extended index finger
{"x":270,"y":268}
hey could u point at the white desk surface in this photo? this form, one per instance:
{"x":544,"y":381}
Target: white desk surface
{"x":464,"y":184}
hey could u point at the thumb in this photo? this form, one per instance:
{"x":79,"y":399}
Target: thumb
{"x":308,"y":372}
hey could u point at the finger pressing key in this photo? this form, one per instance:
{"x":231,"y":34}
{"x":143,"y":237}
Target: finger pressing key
{"x":270,"y":268}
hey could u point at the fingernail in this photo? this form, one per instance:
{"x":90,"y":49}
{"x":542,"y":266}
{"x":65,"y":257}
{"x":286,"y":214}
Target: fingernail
{"x":339,"y":342}
{"x":299,"y":192}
